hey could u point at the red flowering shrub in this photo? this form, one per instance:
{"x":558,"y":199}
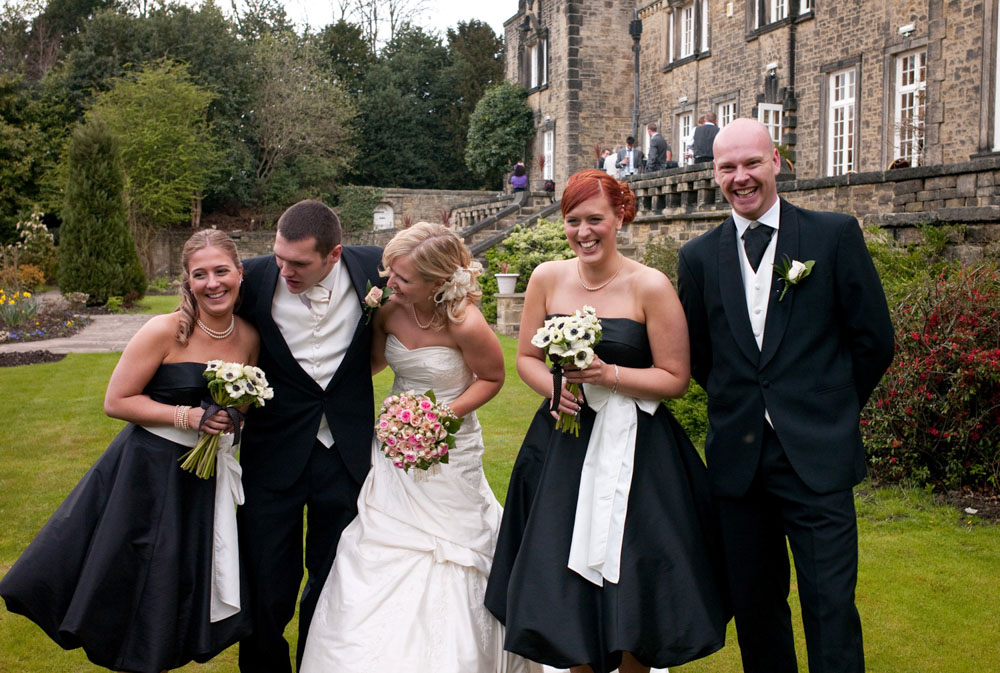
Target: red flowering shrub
{"x":935,"y":417}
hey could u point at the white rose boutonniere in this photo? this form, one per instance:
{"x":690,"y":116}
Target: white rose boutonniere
{"x":374,"y":298}
{"x":793,"y":272}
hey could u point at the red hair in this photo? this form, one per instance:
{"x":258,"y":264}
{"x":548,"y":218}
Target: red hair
{"x":589,"y":183}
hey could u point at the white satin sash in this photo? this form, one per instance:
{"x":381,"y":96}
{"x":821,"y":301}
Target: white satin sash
{"x":605,"y":481}
{"x":225,"y":599}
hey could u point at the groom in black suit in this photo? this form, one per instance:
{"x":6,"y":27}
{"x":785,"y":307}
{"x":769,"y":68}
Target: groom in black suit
{"x":308,"y":448}
{"x":787,"y":367}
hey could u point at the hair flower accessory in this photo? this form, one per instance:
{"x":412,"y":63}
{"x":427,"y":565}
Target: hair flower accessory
{"x":461,"y":283}
{"x":793,"y":272}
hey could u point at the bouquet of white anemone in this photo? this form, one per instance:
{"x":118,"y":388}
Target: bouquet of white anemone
{"x":415,"y":430}
{"x":569,"y":342}
{"x":231,"y":385}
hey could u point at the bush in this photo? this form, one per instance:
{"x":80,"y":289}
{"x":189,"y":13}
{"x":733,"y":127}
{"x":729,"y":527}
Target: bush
{"x":96,"y":251}
{"x":691,"y":411}
{"x":934,"y":420}
{"x":520,"y":253}
{"x":902,"y":268}
{"x":36,"y":246}
{"x":30,"y":277}
{"x":662,"y":255}
{"x":357,"y":207}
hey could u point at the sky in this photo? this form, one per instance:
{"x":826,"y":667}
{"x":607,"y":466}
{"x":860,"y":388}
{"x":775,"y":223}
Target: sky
{"x":439,"y":16}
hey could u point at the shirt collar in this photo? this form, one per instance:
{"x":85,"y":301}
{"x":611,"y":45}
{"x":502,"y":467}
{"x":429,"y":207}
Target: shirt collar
{"x":770,"y":218}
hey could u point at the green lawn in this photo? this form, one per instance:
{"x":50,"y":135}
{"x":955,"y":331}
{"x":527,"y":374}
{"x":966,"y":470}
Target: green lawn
{"x":928,"y":575}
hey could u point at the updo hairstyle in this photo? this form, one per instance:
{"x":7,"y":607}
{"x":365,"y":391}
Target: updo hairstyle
{"x":591,"y":182}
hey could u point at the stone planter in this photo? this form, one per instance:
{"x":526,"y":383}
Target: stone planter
{"x":506,"y":282}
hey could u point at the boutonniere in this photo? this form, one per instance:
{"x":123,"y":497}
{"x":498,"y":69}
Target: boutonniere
{"x":374,"y":298}
{"x":792,"y":271}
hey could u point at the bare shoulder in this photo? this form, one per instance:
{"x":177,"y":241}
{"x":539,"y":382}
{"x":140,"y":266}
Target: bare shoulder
{"x":650,"y":282}
{"x":551,"y":271}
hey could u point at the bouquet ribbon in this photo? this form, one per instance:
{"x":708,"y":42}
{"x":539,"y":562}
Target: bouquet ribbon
{"x":557,"y":379}
{"x":234,"y":415}
{"x":605,"y":481}
{"x":225,"y":596}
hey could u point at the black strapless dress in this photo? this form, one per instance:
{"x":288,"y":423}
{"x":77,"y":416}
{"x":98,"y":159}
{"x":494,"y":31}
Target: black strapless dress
{"x":123,"y":567}
{"x":671,"y":604}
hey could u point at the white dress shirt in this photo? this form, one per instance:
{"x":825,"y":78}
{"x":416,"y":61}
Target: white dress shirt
{"x":319,"y":343}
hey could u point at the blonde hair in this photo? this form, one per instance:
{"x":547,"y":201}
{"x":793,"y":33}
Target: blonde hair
{"x":437,"y":254}
{"x":188,"y":309}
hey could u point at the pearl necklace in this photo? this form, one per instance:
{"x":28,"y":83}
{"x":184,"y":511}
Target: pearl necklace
{"x":417,"y":320}
{"x":586,"y":287}
{"x":214,"y":333}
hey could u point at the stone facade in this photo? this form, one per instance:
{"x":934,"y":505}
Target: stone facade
{"x":731,"y":56}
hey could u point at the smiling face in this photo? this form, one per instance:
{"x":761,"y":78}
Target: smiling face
{"x":214,"y":279}
{"x":746,"y":167}
{"x":301,"y":264}
{"x":591,"y":228}
{"x":408,"y":286}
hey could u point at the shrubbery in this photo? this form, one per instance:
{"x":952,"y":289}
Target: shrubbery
{"x":935,"y":418}
{"x":520,"y":253}
{"x":96,"y":251}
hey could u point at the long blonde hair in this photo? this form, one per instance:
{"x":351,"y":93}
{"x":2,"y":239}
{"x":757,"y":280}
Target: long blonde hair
{"x":440,"y":257}
{"x":188,"y":309}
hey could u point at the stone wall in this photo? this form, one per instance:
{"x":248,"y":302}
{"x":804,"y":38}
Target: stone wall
{"x":427,"y":204}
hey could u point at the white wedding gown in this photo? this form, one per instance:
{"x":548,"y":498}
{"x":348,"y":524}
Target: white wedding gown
{"x":405,"y":594}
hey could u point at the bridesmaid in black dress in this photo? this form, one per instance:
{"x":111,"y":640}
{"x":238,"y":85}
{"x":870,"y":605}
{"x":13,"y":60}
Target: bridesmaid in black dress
{"x":123,"y":568}
{"x":629,"y":576}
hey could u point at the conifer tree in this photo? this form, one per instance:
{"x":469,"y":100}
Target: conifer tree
{"x":96,"y":251}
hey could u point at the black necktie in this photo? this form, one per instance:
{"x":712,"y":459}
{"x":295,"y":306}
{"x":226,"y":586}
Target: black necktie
{"x":755,"y":240}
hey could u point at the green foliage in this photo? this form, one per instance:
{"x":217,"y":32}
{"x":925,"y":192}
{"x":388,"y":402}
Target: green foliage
{"x":520,"y":253}
{"x":344,"y":53}
{"x":901,"y":267}
{"x":661,"y":254}
{"x":691,"y":411}
{"x":115,"y":304}
{"x":302,"y":122}
{"x":499,"y":129}
{"x":357,"y":206}
{"x":96,"y":252}
{"x":935,"y":418}
{"x":35,"y":247}
{"x":159,"y":121}
{"x":16,"y":307}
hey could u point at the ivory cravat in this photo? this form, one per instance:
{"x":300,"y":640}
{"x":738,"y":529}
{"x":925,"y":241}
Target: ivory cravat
{"x":318,"y":299}
{"x":755,"y":240}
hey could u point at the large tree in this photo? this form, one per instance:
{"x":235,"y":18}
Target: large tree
{"x":498,"y":132}
{"x":159,"y":121}
{"x":302,"y":121}
{"x":96,"y":252}
{"x":344,"y":53}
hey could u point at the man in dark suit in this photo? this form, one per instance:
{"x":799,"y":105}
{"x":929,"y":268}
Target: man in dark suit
{"x":629,"y":158}
{"x":704,"y":136}
{"x":787,"y":367}
{"x":310,"y":447}
{"x":660,"y":153}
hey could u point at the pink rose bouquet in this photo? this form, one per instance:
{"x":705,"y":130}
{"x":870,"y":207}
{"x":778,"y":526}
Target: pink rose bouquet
{"x":416,"y":431}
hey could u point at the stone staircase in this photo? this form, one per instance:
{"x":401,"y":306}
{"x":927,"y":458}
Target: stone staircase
{"x":485,"y":225}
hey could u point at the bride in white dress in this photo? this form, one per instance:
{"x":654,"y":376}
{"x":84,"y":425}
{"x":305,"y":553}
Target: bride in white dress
{"x":405,"y":593}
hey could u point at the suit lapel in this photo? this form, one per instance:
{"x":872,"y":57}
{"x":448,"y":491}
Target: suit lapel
{"x":359,"y":281}
{"x":779,"y":312}
{"x":733,"y":295}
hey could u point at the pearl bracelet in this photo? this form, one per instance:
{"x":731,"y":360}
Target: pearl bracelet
{"x":615,"y":388}
{"x":181,"y":417}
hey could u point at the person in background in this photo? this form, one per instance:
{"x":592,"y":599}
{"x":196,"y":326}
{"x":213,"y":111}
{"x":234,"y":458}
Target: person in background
{"x":519,"y":178}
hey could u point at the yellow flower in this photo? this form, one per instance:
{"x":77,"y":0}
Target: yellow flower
{"x":26,"y":295}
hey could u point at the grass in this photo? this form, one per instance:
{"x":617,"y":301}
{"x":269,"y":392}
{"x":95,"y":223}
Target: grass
{"x":157,"y":303}
{"x":927,"y":577}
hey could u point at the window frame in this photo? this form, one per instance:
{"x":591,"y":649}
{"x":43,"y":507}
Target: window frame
{"x":548,"y":151}
{"x":911,"y":148}
{"x":778,"y":111}
{"x":849,"y":105}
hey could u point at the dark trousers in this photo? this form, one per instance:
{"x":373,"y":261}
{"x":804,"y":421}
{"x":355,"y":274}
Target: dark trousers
{"x":271,"y":547}
{"x":821,"y":530}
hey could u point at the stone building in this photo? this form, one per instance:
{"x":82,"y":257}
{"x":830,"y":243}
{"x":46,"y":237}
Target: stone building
{"x":846,"y":86}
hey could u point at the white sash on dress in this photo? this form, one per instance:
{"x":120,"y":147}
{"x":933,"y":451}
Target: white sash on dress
{"x":605,"y":481}
{"x":225,"y":599}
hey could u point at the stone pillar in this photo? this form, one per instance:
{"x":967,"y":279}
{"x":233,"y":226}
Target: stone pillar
{"x":509,"y":309}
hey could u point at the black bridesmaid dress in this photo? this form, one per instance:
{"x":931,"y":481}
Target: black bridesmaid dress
{"x":123,"y":567}
{"x":671,"y":604}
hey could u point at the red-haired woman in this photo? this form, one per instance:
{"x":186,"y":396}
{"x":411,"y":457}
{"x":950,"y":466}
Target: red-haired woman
{"x":607,"y":556}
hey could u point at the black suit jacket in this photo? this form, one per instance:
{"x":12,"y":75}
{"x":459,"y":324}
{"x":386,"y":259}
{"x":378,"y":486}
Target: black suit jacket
{"x":658,"y":149}
{"x":704,"y":137}
{"x":826,"y":345}
{"x":279,"y":436}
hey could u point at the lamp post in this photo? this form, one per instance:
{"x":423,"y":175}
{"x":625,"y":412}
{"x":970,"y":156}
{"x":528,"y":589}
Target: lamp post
{"x":635,"y":30}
